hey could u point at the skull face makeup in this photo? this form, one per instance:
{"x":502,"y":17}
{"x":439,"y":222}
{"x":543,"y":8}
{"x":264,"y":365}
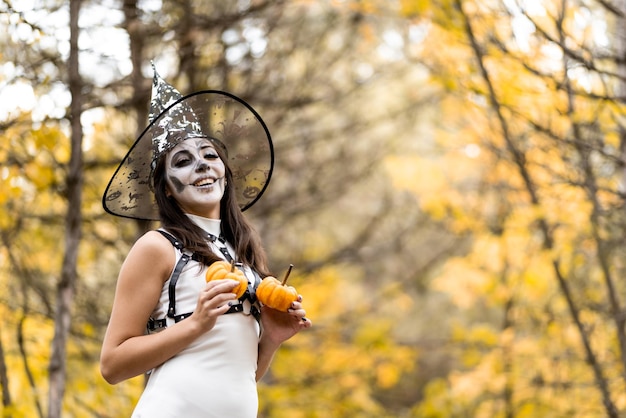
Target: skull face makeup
{"x":196,"y":177}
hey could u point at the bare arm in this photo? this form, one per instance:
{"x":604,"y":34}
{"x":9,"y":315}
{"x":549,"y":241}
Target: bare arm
{"x":277,"y":328}
{"x":126,"y":350}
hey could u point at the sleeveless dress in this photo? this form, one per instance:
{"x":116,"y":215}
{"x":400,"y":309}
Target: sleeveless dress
{"x":215,"y":376}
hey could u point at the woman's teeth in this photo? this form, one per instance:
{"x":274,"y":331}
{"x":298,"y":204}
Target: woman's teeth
{"x":205,"y":182}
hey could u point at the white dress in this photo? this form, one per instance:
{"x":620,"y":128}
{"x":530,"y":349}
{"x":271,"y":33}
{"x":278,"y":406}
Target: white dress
{"x":215,"y":375}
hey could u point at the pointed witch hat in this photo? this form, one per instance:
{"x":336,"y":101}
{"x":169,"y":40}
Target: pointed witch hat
{"x":220,"y":116}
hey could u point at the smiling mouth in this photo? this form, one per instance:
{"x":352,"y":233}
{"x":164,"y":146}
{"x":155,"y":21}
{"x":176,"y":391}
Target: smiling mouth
{"x":206,"y":182}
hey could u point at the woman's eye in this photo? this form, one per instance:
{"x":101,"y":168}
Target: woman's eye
{"x":181,"y":162}
{"x":211,"y":156}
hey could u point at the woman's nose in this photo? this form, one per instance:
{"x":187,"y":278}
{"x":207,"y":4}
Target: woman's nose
{"x":202,"y":167}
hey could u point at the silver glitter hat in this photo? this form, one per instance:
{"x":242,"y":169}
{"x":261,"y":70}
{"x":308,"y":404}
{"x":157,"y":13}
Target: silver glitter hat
{"x":217,"y":115}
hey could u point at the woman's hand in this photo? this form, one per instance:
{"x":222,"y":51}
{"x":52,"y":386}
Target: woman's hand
{"x":213,"y":301}
{"x":279,"y":326}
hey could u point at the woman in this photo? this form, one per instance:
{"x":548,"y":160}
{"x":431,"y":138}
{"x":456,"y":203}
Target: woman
{"x":211,"y":158}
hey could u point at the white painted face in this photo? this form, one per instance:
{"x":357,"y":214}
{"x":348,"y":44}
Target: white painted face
{"x":196,"y":177}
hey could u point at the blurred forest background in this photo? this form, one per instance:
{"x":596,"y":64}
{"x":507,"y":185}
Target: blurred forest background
{"x":449,"y":184}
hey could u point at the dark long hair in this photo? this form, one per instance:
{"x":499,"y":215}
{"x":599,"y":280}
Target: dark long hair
{"x":235,"y":227}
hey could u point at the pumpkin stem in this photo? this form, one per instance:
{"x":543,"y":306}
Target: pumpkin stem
{"x":232,"y":265}
{"x":287,"y":274}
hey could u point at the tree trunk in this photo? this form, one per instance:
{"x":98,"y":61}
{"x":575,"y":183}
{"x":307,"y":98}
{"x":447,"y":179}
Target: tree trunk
{"x":620,"y":47}
{"x":141,"y":88}
{"x":4,"y":379}
{"x":67,"y":283}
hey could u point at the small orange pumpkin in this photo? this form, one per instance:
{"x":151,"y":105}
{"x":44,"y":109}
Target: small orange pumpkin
{"x":277,"y":295}
{"x":224,"y":270}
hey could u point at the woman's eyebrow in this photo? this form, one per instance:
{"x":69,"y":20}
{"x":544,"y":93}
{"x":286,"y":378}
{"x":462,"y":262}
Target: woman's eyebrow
{"x":205,"y":146}
{"x":179,"y":153}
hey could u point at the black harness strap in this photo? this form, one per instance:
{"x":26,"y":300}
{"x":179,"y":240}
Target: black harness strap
{"x":154,"y":324}
{"x":182,"y":262}
{"x":221,"y":247}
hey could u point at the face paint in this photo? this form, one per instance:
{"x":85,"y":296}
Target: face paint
{"x":178,"y":185}
{"x":196,"y":177}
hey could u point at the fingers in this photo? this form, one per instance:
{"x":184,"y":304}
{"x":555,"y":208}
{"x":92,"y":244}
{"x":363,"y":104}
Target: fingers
{"x":215,"y":287}
{"x":298,"y":311}
{"x":214,"y":300}
{"x":217,"y":294}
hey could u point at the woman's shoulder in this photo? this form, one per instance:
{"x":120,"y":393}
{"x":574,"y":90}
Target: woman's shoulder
{"x":150,"y":256}
{"x":153,"y":243}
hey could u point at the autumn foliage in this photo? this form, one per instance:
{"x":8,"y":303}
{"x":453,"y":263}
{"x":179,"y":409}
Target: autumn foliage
{"x":449,"y":181}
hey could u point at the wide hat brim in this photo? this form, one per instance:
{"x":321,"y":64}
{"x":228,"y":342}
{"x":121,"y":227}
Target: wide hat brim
{"x":222,"y":116}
